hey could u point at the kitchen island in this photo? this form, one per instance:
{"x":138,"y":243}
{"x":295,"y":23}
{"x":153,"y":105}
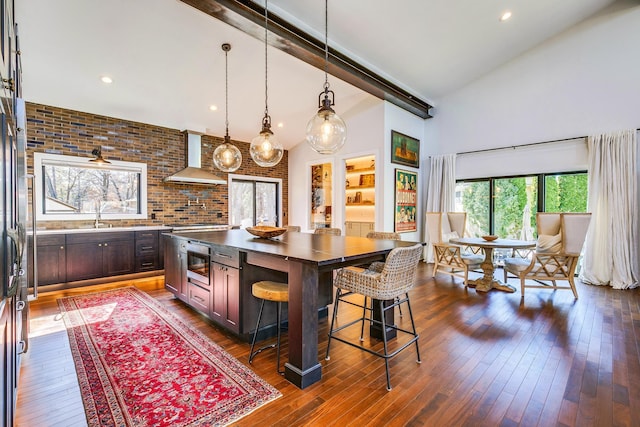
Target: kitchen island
{"x":304,"y":260}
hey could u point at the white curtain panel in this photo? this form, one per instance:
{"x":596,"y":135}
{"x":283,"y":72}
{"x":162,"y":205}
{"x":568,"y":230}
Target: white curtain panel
{"x":610,"y":256}
{"x":441,"y":190}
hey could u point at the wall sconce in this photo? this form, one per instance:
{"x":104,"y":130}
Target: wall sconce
{"x":98,"y":153}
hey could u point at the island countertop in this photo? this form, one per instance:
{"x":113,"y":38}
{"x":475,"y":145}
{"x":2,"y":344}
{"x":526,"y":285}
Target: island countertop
{"x":321,"y":249}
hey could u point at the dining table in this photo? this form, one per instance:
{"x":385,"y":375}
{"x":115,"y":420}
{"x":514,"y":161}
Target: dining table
{"x":487,"y":281}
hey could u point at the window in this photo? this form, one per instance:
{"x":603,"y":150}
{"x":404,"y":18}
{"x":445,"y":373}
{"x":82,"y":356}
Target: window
{"x":72,"y":188}
{"x":473,"y":197}
{"x":565,"y":192}
{"x":507,"y":206}
{"x":254,"y":201}
{"x":515,"y":203}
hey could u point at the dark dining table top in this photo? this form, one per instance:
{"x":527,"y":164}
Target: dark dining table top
{"x":315,"y":248}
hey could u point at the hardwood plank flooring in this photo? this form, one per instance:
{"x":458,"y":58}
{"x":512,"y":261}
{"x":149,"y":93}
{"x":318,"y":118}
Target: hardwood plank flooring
{"x":487,"y":359}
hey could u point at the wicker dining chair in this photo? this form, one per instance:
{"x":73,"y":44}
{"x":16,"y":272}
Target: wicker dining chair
{"x":333,"y":231}
{"x":393,"y":283}
{"x":378,"y":265}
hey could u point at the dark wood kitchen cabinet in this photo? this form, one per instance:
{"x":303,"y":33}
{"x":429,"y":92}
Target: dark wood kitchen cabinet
{"x":225,"y":266}
{"x":99,"y":254}
{"x":226,"y":296}
{"x":147,"y":250}
{"x":51,"y":262}
{"x":175,"y":259}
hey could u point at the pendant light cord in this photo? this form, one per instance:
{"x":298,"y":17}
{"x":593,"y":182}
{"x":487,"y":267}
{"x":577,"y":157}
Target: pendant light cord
{"x":226,"y":93}
{"x":266,"y":64}
{"x":326,"y":44}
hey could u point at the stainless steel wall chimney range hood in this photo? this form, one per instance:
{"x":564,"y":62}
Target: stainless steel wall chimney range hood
{"x":193,"y":174}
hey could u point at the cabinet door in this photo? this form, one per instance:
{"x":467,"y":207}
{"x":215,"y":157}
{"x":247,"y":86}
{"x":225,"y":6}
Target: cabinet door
{"x":365,"y":228}
{"x":84,"y":261}
{"x":218,"y":295}
{"x":175,"y":275}
{"x":52,"y":266}
{"x":118,"y":257}
{"x":232,"y":294}
{"x":225,"y":309}
{"x":353,"y":229}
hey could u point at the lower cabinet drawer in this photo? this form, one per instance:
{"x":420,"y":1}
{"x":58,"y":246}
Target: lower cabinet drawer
{"x":147,"y":263}
{"x":199,"y":298}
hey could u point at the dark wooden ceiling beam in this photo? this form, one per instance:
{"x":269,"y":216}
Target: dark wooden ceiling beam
{"x":249,"y":18}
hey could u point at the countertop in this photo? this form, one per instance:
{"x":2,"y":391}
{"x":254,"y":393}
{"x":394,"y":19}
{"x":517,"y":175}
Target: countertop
{"x":45,"y":231}
{"x":316,"y":248}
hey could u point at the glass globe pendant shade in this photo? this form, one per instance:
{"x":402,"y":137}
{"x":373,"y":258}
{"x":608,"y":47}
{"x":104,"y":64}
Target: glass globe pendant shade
{"x":265,"y":148}
{"x":326,"y":131}
{"x":227,"y":157}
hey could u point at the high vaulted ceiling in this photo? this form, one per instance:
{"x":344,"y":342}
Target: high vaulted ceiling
{"x":167,"y":65}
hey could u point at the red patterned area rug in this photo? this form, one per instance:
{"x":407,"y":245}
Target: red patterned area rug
{"x":140,"y":365}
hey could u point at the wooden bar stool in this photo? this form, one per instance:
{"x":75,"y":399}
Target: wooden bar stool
{"x":269,"y":291}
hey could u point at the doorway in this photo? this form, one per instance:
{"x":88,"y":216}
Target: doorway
{"x":254,"y":201}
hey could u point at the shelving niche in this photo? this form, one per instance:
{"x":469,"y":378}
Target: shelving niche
{"x":360,"y":191}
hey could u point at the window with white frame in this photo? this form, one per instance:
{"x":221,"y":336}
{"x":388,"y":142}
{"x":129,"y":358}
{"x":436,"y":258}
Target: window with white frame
{"x":72,"y":188}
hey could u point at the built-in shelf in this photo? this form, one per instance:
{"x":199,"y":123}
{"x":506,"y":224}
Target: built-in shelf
{"x":360,"y":195}
{"x":349,"y":171}
{"x":359,"y":187}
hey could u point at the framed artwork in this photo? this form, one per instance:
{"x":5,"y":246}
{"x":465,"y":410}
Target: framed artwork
{"x":406,"y":198}
{"x":405,"y":150}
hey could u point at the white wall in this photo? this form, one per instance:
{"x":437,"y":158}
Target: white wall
{"x":404,"y":122}
{"x":365,"y":136}
{"x":582,"y":82}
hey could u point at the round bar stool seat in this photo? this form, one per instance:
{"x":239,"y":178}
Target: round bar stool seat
{"x":277,"y":292}
{"x":271,"y":291}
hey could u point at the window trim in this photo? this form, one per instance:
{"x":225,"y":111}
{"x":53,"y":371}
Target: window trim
{"x":42,"y":159}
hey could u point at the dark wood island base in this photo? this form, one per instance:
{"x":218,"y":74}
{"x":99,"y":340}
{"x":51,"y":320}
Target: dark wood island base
{"x":213,"y":271}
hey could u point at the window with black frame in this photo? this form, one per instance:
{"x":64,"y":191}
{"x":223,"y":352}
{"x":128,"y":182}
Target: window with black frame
{"x":507,"y":206}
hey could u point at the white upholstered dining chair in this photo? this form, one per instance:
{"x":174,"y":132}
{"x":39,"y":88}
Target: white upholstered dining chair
{"x":449,"y":258}
{"x":560,"y":240}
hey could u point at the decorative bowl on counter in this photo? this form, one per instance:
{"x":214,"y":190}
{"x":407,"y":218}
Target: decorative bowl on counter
{"x":265,"y":231}
{"x":490,"y":238}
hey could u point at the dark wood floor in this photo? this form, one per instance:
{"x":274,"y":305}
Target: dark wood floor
{"x":488,"y":359}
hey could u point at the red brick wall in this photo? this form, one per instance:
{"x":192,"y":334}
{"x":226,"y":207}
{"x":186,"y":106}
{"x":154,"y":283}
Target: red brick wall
{"x":60,"y":131}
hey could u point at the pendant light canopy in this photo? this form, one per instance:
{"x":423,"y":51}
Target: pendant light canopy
{"x":326,"y":131}
{"x":227,"y":157}
{"x":265,"y":148}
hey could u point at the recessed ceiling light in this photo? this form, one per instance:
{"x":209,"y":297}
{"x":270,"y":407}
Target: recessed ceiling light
{"x":106,"y":79}
{"x":505,"y":16}
{"x":213,"y":107}
{"x":280,"y":125}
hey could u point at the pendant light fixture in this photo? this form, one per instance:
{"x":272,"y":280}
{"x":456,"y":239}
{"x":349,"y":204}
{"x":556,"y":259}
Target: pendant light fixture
{"x":326,"y":131}
{"x":265,"y":148}
{"x":227,"y":157}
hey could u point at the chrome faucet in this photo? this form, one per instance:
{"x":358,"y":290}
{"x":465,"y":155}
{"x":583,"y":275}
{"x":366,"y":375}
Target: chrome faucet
{"x":97,"y":224}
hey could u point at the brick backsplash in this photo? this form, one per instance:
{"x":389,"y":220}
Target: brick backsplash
{"x":60,"y":131}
